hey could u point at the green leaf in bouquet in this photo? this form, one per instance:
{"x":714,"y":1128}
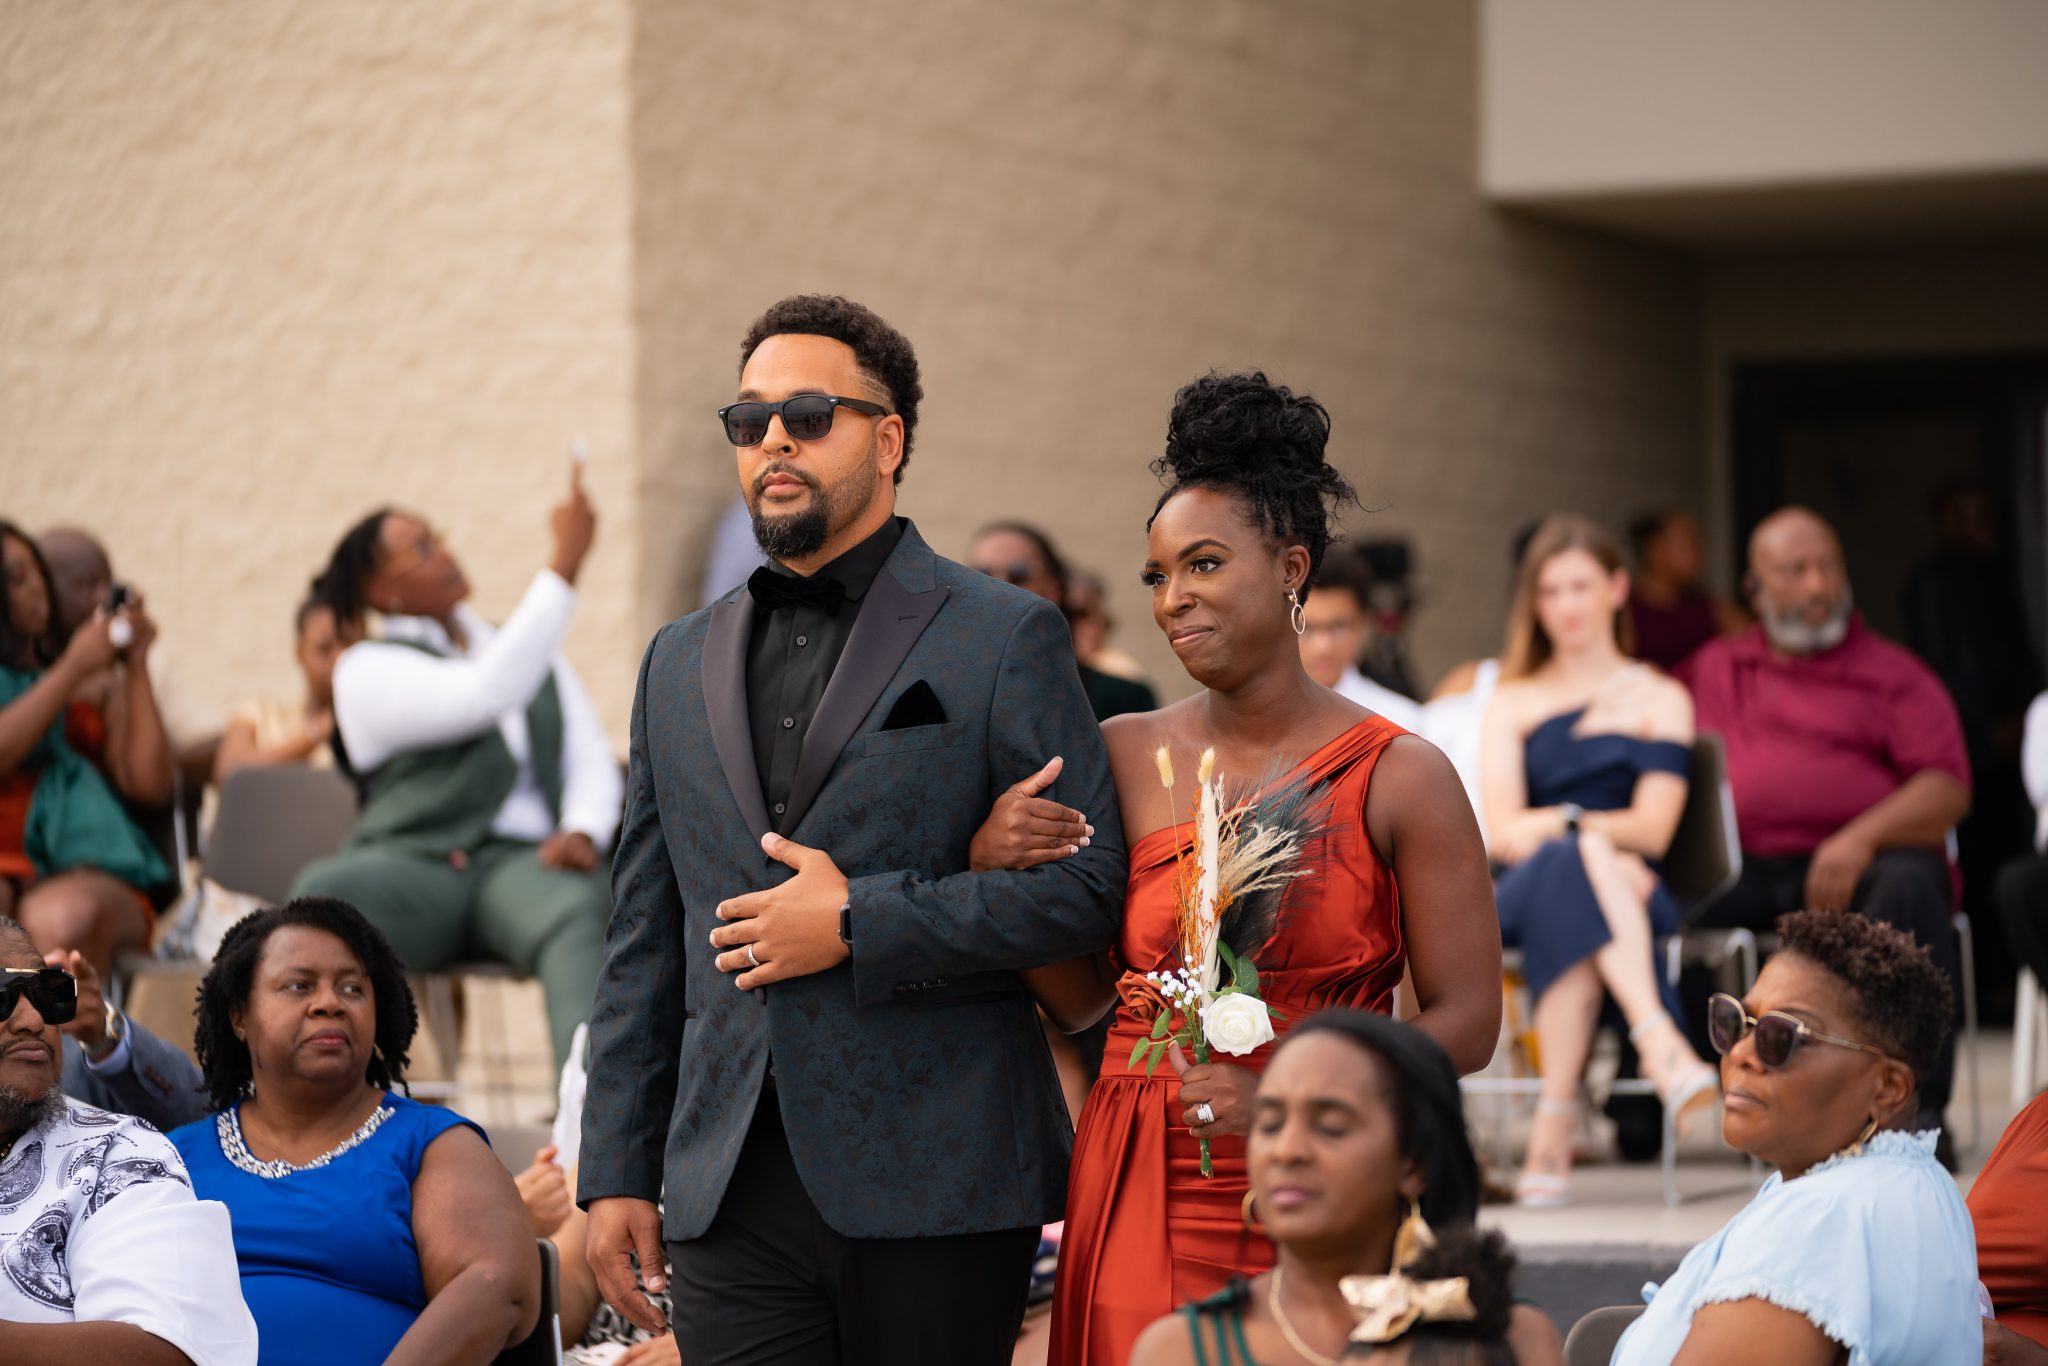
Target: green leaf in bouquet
{"x":1153,"y":1065}
{"x":1159,"y":1025}
{"x":1278,"y":1015}
{"x":1247,"y":976}
{"x":1137,"y":1053}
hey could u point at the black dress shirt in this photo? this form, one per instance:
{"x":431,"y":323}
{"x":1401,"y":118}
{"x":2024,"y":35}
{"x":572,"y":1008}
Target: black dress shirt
{"x":791,"y":653}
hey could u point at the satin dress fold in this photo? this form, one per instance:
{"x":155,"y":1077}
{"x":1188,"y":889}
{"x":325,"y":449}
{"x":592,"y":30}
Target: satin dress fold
{"x":1146,"y":1231}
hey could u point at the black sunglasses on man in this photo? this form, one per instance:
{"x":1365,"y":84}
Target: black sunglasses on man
{"x":52,"y":991}
{"x":806,"y":417}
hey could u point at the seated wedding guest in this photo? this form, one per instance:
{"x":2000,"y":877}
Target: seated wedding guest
{"x":81,"y":577}
{"x":489,"y":788}
{"x":114,"y":1064}
{"x":1455,"y":713}
{"x":74,"y":869}
{"x":1335,"y":627}
{"x":106,"y":1255}
{"x":1088,"y":616}
{"x":1363,"y":1176}
{"x":589,"y":1325}
{"x":1670,"y":612}
{"x":368,"y":1227}
{"x":275,"y":731}
{"x":1585,"y":760}
{"x":2006,"y":1203}
{"x":2023,"y":884}
{"x":1858,"y":1243}
{"x":1020,"y":554}
{"x":1845,"y":755}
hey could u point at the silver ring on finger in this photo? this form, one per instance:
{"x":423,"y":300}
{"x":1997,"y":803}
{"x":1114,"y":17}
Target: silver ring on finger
{"x":1205,"y":1113}
{"x":750,"y":956}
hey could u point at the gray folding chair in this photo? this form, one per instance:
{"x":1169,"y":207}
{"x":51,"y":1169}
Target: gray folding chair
{"x":1703,"y":865}
{"x":543,"y":1346}
{"x":1591,"y":1341}
{"x":272,"y":823}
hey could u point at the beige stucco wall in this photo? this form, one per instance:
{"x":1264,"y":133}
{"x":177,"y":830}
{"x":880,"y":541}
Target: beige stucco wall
{"x":1071,"y":209}
{"x":263,"y":266}
{"x":1607,"y":96}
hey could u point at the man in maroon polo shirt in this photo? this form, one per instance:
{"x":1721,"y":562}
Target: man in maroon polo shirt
{"x":1845,"y":753}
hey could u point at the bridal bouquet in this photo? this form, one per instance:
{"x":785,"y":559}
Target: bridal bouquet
{"x":1228,"y":888}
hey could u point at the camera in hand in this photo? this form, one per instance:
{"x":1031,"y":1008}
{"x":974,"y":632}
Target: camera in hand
{"x":121,"y":631}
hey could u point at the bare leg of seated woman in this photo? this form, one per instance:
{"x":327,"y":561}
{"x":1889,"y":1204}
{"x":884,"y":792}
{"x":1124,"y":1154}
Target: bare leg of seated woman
{"x":1623,"y":883}
{"x":1625,"y":968}
{"x":98,"y":915}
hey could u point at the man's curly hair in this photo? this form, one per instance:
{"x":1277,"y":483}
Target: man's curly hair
{"x":1898,"y":992}
{"x":224,"y":1059}
{"x":1246,"y":435}
{"x":884,"y":355}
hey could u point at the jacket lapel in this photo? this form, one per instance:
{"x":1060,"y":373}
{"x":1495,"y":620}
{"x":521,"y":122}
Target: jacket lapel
{"x":725,"y":702}
{"x":891,"y":620}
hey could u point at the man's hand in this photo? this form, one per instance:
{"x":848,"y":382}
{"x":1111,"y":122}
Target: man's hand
{"x":544,"y":1190}
{"x":89,"y":1025}
{"x":1024,"y":829}
{"x":571,"y":851}
{"x":620,"y":1228}
{"x":793,"y":929}
{"x":1838,"y":865}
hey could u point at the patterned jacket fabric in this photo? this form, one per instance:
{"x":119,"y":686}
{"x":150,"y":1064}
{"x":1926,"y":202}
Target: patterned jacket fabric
{"x":913,"y":1079}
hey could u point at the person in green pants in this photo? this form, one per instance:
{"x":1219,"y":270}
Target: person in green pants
{"x":489,"y":789}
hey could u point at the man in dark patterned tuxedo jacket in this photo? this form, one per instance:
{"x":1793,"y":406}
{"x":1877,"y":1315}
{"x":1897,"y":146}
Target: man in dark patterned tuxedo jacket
{"x":811,"y":1041}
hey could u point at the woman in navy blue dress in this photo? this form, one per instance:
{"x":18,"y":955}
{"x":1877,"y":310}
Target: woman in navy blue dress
{"x":1584,"y":765}
{"x":367,"y":1227}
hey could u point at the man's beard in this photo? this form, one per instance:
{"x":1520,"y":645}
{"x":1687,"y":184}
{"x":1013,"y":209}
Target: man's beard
{"x":1789,"y":633}
{"x":795,"y":535}
{"x":19,"y":1114}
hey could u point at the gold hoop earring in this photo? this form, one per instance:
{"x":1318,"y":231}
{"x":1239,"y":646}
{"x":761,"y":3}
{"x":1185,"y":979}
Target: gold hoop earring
{"x":1856,"y":1149}
{"x":1413,"y":1238}
{"x":1251,"y":1218}
{"x":1296,"y":618}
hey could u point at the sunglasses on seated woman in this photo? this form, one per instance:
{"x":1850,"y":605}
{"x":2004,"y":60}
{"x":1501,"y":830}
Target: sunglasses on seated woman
{"x":1778,"y":1035}
{"x":806,"y":417}
{"x":52,"y":991}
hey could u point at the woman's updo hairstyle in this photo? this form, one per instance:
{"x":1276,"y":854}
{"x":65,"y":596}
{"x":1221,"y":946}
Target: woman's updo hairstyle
{"x":1246,"y":435}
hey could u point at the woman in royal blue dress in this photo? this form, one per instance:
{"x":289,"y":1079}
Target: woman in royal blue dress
{"x":1584,"y":762}
{"x":367,"y":1227}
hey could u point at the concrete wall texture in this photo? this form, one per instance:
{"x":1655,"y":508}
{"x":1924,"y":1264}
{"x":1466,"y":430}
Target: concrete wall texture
{"x":262,"y":267}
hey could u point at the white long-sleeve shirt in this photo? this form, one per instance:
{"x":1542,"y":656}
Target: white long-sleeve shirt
{"x":2034,"y":767}
{"x":392,"y":699}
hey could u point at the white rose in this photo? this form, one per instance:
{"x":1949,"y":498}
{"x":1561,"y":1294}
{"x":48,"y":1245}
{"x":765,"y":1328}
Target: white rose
{"x":1236,"y":1023}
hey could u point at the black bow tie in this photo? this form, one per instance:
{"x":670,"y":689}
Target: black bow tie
{"x":772,"y":590}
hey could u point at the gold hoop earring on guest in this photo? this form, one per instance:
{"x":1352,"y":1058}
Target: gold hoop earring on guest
{"x":1412,"y":1238}
{"x":1296,"y":618}
{"x":1251,"y":1216}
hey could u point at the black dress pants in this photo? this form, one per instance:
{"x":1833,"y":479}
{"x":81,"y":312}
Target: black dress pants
{"x":1905,"y":888}
{"x":770,"y":1284}
{"x":2023,"y":909}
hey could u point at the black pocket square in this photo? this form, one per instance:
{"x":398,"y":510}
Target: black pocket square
{"x":918,"y":706}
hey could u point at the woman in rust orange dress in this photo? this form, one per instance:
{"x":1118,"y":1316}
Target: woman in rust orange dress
{"x":1400,"y":880}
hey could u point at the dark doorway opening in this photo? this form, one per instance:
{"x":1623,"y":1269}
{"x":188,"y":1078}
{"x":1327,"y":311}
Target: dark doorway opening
{"x":1932,"y":471}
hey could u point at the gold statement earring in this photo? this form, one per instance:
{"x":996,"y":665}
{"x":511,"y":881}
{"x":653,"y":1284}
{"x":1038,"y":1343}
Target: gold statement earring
{"x":1856,"y":1149}
{"x":1413,"y":1238}
{"x":1295,"y":616}
{"x":1251,"y":1217}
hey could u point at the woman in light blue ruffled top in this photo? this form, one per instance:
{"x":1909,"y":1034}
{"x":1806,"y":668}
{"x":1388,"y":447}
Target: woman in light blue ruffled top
{"x":1858,"y":1249}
